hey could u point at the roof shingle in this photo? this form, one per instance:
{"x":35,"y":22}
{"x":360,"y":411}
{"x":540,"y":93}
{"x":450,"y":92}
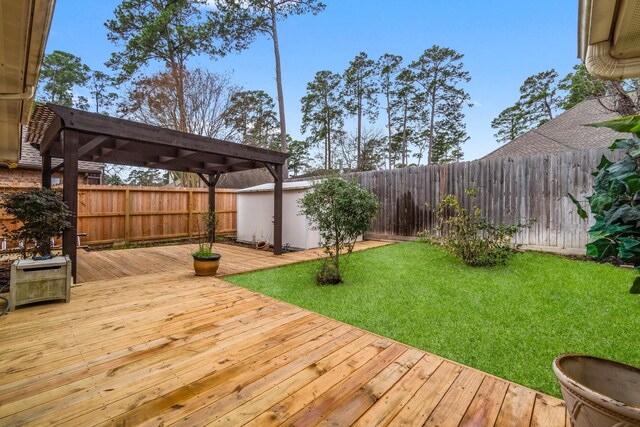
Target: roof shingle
{"x":566,"y":132}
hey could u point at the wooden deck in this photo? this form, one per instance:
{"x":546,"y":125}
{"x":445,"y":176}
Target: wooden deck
{"x":170,"y":348}
{"x":111,"y":264}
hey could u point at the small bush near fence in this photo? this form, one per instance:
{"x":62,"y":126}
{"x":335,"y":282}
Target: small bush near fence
{"x":469,"y":236}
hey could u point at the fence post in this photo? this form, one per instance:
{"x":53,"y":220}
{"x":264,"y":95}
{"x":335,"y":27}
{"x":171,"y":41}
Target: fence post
{"x":127,"y":219}
{"x":190,"y":210}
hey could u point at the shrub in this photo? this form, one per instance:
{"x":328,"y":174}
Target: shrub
{"x":615,"y":203}
{"x":469,"y":236}
{"x":41,"y":214}
{"x":341,"y":211}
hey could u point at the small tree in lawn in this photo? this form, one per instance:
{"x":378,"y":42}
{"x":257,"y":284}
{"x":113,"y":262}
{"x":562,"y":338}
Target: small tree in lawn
{"x":341,"y":211}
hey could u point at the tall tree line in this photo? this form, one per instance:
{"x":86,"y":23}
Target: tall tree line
{"x":422,"y":103}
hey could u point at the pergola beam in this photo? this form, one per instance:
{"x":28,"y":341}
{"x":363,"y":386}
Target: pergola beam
{"x":51,"y":135}
{"x":90,"y":146}
{"x":86,"y":122}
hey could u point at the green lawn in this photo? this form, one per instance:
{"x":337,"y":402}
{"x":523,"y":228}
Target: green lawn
{"x":510,"y":321}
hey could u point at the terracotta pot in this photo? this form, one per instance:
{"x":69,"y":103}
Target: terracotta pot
{"x":206,"y":266}
{"x":599,"y":392}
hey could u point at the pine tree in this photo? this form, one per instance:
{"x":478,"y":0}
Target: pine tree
{"x":439,"y":73}
{"x":322,"y":112}
{"x":360,"y":92}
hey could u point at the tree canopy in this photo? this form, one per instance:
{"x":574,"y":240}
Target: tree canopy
{"x":165,"y":31}
{"x":543,"y":95}
{"x":62,"y":72}
{"x":252,"y":118}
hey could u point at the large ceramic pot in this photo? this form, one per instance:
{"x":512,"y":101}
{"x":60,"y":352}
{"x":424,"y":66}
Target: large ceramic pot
{"x":206,"y":265}
{"x":599,"y":392}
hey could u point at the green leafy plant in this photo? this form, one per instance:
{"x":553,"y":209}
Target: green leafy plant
{"x":341,"y":211}
{"x":206,"y":223}
{"x":469,"y":236}
{"x":615,"y":202}
{"x":41,"y":214}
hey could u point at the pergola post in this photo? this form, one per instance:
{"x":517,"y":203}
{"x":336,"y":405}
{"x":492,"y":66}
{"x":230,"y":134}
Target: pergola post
{"x":212,"y":200}
{"x":69,"y":140}
{"x":277,"y":210}
{"x":46,"y":170}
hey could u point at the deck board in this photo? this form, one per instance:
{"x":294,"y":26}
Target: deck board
{"x":156,"y":345}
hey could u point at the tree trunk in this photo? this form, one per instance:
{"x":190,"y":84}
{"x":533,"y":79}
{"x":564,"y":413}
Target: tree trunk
{"x":177,"y":71}
{"x":624,"y":105}
{"x":547,"y":107}
{"x":177,"y":68}
{"x":404,"y":138}
{"x":329,"y":146}
{"x":359,"y":144}
{"x":432,"y":121}
{"x":432,"y":125}
{"x":276,"y":51}
{"x":389,"y":127}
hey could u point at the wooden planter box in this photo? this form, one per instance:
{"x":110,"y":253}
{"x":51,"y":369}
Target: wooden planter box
{"x":34,"y":281}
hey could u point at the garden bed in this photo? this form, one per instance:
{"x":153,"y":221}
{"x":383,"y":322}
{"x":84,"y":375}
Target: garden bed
{"x":510,"y":321}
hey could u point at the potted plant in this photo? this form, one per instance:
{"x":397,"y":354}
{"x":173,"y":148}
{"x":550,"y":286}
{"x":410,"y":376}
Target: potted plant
{"x":42,"y":215}
{"x":598,"y":391}
{"x":205,"y":261}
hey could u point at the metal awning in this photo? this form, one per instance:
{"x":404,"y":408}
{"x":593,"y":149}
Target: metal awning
{"x":24,"y":27}
{"x":609,"y":38}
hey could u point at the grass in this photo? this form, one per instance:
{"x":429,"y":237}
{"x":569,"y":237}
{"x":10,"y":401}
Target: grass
{"x":510,"y":321}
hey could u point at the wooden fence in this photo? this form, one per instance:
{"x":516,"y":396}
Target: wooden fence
{"x":509,"y":189}
{"x":132,"y":214}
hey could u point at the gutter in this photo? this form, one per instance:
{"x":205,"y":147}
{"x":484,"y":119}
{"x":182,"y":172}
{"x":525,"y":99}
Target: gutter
{"x":600,"y":23}
{"x":28,"y":95}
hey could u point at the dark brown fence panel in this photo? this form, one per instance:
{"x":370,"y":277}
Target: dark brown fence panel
{"x":509,"y":189}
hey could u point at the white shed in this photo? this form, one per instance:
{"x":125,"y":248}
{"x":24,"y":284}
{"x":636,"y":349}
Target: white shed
{"x":255,"y":216}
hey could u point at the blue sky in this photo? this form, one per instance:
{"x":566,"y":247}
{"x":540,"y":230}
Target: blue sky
{"x":503,"y":42}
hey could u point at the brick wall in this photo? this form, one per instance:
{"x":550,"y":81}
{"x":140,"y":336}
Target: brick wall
{"x":24,"y":177}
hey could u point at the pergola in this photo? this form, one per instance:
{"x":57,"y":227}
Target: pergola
{"x":74,"y":135}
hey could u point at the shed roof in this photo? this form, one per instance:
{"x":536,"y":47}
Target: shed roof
{"x":287,"y":186}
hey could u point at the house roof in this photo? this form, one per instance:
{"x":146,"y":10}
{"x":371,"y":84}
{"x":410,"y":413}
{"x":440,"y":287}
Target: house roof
{"x":566,"y":132}
{"x":30,"y":159}
{"x":244,"y":179}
